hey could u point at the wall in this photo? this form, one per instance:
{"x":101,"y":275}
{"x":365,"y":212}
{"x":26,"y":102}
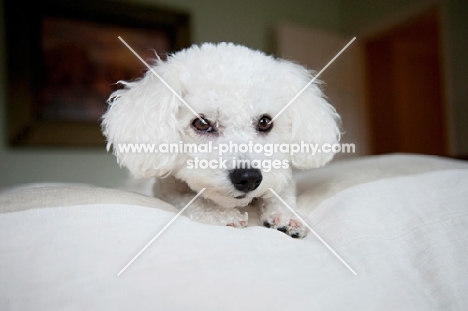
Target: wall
{"x":457,"y":68}
{"x":250,"y":22}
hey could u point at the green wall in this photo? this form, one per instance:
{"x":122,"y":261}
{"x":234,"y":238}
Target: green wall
{"x":458,"y":70}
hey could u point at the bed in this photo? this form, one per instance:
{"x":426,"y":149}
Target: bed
{"x":400,"y":221}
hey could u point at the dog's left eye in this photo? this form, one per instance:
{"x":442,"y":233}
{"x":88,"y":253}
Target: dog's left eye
{"x":203,"y":126}
{"x":264,"y":124}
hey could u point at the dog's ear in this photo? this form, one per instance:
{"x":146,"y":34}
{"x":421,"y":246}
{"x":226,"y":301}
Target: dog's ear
{"x":313,"y":120}
{"x":144,"y":112}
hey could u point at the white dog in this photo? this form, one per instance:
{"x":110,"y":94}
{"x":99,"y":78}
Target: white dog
{"x":236,"y":91}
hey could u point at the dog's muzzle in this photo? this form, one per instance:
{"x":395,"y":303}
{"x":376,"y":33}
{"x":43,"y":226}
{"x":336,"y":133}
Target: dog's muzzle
{"x":246,"y":180}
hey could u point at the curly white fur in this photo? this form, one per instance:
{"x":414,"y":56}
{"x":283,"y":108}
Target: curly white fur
{"x":231,"y":86}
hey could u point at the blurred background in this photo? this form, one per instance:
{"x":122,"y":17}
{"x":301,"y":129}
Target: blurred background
{"x":402,"y":86}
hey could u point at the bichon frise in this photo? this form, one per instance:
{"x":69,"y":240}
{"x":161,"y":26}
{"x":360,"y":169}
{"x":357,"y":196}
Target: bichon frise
{"x":236,"y":92}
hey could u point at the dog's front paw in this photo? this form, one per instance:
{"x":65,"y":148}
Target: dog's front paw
{"x":232,"y":218}
{"x":237,"y":223}
{"x":285,"y":222}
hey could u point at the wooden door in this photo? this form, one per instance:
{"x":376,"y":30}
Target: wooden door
{"x":405,"y":105}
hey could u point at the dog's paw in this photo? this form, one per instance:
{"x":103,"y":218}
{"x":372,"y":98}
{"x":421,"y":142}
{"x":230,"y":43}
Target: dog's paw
{"x":232,"y":218}
{"x":285,"y":222}
{"x":237,"y":224}
{"x":236,"y":219}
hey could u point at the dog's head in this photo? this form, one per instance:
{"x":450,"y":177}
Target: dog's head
{"x":236,"y":92}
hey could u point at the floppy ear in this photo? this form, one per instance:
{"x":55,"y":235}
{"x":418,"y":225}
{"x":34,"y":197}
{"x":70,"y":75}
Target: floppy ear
{"x":144,"y":112}
{"x":314,"y":120}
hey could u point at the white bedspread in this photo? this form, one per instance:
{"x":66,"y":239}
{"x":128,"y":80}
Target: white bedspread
{"x":406,"y":236}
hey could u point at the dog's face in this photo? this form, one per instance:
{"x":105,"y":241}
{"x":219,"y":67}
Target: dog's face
{"x":236,"y":92}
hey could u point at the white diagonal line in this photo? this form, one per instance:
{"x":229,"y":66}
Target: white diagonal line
{"x":162,"y":80}
{"x":160,"y":232}
{"x":312,"y":81}
{"x":313,"y":231}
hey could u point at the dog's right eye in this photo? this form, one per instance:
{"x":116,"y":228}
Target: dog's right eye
{"x":203,"y":125}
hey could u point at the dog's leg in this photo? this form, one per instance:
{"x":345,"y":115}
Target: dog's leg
{"x":208,"y":212}
{"x":202,"y":210}
{"x":277,"y":216}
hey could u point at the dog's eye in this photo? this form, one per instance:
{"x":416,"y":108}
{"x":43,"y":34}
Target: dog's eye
{"x":264,"y":124}
{"x":203,"y":126}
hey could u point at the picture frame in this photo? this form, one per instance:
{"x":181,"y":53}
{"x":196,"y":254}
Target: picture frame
{"x":64,"y":59}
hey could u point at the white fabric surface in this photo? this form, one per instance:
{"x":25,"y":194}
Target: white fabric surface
{"x":45,"y":195}
{"x":407,"y":238}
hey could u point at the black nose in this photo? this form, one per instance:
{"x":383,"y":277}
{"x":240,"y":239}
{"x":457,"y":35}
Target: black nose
{"x":246,"y":179}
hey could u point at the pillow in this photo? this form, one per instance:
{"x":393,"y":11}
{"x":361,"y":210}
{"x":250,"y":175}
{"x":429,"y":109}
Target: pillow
{"x":405,"y":236}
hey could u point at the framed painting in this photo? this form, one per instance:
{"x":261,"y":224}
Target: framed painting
{"x":64,"y":59}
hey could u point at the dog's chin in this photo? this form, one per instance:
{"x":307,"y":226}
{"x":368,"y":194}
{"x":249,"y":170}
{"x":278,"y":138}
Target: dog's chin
{"x":228,"y":201}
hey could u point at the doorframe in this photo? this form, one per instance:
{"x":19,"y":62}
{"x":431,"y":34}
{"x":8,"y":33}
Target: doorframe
{"x":400,"y":17}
